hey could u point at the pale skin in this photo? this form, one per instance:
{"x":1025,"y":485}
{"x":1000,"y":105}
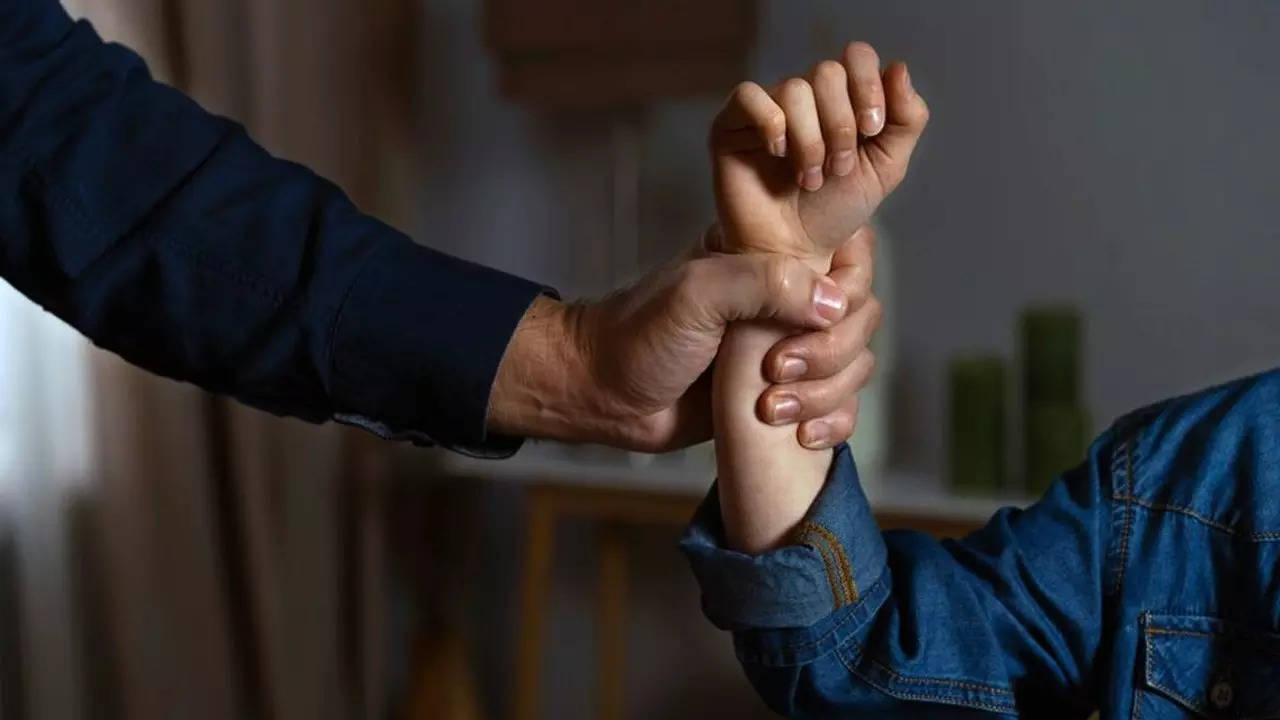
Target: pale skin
{"x":798,"y":170}
{"x":630,"y":370}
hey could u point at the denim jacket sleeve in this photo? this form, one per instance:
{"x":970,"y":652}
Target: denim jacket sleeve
{"x":849,"y":620}
{"x":164,"y":234}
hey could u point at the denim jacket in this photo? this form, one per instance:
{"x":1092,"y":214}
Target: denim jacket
{"x":1144,"y":584}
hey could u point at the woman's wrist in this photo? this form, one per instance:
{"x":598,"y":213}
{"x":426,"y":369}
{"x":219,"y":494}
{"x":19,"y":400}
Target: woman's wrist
{"x":767,"y":481}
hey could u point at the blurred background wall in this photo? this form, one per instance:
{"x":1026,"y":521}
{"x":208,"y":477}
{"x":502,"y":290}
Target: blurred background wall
{"x":1121,"y":157}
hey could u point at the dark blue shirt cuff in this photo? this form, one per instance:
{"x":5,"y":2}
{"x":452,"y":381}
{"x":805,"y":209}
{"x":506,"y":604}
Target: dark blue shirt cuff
{"x":417,"y":347}
{"x":837,"y":558}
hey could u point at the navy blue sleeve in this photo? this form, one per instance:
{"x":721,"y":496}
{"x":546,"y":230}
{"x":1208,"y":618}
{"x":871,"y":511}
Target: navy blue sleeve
{"x":849,"y":622}
{"x":166,"y":235}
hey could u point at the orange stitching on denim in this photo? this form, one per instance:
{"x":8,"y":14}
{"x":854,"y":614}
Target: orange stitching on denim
{"x":806,"y":537}
{"x":846,"y":571}
{"x":915,"y":695}
{"x":1164,"y":507}
{"x":848,"y":593}
{"x":1228,"y":529}
{"x":1193,"y":633}
{"x":968,"y":685}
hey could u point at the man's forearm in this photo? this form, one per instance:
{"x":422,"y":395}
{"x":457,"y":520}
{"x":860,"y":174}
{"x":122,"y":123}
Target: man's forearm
{"x":166,"y":235}
{"x":543,"y":386}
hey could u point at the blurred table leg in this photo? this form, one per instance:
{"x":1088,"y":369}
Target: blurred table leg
{"x":612,"y":508}
{"x":533,"y":603}
{"x":611,"y":623}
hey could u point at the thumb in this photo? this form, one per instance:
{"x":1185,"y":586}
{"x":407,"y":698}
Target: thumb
{"x":759,"y":286}
{"x":905,"y":118}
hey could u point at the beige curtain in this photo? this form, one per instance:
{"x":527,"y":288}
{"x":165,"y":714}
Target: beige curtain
{"x":239,"y":566}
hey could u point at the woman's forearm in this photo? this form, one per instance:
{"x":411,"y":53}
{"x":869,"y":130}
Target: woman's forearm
{"x":767,"y":480}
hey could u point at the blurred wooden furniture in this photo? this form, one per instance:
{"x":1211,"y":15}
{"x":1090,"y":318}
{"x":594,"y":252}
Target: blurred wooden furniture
{"x":609,"y":53}
{"x":614,"y":494}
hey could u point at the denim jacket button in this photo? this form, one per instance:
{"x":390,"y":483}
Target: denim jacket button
{"x":1221,"y":695}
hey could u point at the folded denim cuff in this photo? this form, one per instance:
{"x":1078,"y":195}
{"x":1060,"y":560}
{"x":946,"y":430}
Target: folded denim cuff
{"x":837,"y":556}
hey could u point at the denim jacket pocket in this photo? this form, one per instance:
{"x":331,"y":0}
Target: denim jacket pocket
{"x":1202,"y":667}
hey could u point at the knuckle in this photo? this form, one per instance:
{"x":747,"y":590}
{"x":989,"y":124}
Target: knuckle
{"x":795,"y":86}
{"x":813,"y":150}
{"x":875,"y":311}
{"x":843,"y":136}
{"x":744,"y":89}
{"x":826,"y":348}
{"x":859,"y":51}
{"x":871,"y":314}
{"x":689,"y":276}
{"x":829,"y":71}
{"x":842,"y":426}
{"x":774,"y":121}
{"x":868,"y":365}
{"x":870,"y":237}
{"x":918,"y":113}
{"x":777,"y":278}
{"x":859,"y":290}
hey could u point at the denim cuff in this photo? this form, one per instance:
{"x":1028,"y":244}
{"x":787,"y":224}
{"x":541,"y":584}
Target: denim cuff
{"x":417,"y":347}
{"x":837,"y":560}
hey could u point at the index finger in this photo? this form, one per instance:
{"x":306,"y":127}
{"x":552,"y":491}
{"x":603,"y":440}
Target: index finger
{"x":750,"y":119}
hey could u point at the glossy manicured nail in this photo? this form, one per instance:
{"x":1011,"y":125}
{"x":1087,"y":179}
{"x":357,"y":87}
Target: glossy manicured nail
{"x":871,"y":122}
{"x":842,"y":163}
{"x":811,"y":178}
{"x":786,"y":408}
{"x":828,"y":299}
{"x":793,"y":368}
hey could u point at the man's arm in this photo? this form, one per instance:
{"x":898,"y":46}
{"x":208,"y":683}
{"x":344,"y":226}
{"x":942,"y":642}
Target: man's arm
{"x":167,"y":236}
{"x":164,"y":234}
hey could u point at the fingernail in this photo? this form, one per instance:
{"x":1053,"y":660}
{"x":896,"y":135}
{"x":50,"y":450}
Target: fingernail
{"x":816,"y":434}
{"x":793,"y":368}
{"x":906,"y":80}
{"x":871,"y":122}
{"x":786,"y":408}
{"x":778,"y":148}
{"x":811,"y":178}
{"x":828,"y":299}
{"x":842,"y":163}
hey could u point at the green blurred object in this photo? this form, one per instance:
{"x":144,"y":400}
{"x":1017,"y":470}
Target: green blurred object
{"x":1051,"y":355}
{"x":977,"y":442}
{"x":1056,"y":439}
{"x":1055,"y":424}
